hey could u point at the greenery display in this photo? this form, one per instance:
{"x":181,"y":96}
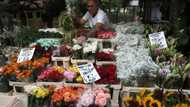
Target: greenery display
{"x":26,"y":36}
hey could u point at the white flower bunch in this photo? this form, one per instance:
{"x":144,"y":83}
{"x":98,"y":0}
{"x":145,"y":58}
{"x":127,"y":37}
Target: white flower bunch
{"x":76,"y":47}
{"x":90,"y":46}
{"x":52,"y":30}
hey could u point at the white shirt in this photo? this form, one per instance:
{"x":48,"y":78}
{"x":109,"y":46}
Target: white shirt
{"x":100,"y":17}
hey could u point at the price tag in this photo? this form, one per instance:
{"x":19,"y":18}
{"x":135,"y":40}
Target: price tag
{"x":158,"y":39}
{"x":25,"y":54}
{"x":88,"y":73}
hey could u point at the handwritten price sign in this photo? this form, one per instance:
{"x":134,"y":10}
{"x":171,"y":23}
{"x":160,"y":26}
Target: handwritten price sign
{"x":88,"y":73}
{"x":25,"y":54}
{"x":158,"y":39}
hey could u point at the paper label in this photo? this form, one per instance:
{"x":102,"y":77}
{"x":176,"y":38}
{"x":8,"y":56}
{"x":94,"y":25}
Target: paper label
{"x":88,"y":73}
{"x":158,"y":39}
{"x":25,"y":54}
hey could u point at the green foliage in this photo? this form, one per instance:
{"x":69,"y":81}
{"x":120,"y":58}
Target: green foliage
{"x":65,"y":22}
{"x":26,"y":36}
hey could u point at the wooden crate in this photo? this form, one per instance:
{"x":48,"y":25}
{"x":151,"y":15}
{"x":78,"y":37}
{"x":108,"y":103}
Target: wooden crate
{"x":19,"y":84}
{"x":101,"y":43}
{"x":81,"y":61}
{"x":61,"y":61}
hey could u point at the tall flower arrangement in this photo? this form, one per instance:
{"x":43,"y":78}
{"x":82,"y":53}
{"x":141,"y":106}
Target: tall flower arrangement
{"x":174,"y":66}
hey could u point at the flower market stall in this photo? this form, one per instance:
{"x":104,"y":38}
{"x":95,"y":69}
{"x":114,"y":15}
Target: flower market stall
{"x":115,"y":69}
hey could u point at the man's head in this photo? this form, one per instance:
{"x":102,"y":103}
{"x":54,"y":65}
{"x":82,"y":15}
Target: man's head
{"x":93,"y":6}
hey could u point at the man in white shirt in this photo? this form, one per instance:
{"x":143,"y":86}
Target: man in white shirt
{"x":95,"y":17}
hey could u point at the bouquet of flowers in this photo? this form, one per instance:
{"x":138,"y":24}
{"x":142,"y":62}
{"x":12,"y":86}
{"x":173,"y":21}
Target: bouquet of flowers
{"x":25,"y":71}
{"x":156,"y":98}
{"x":66,"y":96}
{"x":85,"y":50}
{"x":106,"y":35}
{"x":72,"y":74}
{"x":38,"y":96}
{"x":105,"y":56}
{"x":51,"y":74}
{"x":98,"y":97}
{"x":107,"y":73}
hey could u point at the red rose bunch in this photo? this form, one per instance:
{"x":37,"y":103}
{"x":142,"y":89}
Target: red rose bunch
{"x":107,"y":74}
{"x":105,"y":56}
{"x":106,"y":35}
{"x":50,"y":74}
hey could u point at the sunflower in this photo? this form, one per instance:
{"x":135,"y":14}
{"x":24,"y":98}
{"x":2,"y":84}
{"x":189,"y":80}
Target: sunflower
{"x":181,"y":105}
{"x":142,"y":92}
{"x":139,"y":100}
{"x":155,"y":103}
{"x":147,"y":100}
{"x":127,"y":99}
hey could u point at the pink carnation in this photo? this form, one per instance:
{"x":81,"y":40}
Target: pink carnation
{"x":69,"y":75}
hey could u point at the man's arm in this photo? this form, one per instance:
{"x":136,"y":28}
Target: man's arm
{"x":98,"y":27}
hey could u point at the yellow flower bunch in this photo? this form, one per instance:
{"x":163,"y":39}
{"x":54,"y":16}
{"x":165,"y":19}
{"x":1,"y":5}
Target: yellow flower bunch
{"x":59,"y":69}
{"x":182,"y":105}
{"x":73,"y":68}
{"x":40,"y":92}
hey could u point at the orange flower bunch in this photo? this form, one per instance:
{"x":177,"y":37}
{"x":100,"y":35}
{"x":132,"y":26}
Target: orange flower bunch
{"x":40,"y":62}
{"x":10,"y":68}
{"x":24,"y":69}
{"x":24,"y":74}
{"x":67,"y":94}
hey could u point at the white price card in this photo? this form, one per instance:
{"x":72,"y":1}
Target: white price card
{"x":25,"y":54}
{"x":88,"y":73}
{"x":158,"y":39}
